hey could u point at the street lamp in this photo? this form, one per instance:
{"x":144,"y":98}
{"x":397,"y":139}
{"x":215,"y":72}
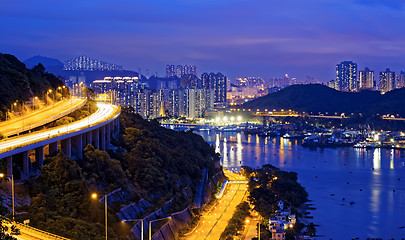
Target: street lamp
{"x":150,"y":225}
{"x":15,"y":105}
{"x":12,"y":189}
{"x":37,"y":103}
{"x":247,"y":221}
{"x":53,"y":101}
{"x":94,"y":196}
{"x":133,"y":220}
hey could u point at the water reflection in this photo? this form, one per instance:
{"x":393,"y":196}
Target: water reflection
{"x":239,"y":148}
{"x":377,"y":158}
{"x":346,"y":172}
{"x":224,"y":154}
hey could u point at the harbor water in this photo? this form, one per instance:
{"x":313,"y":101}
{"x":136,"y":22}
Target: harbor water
{"x":356,"y":193}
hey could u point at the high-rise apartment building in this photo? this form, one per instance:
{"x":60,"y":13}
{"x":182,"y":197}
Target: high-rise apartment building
{"x":84,"y":63}
{"x":179,"y":70}
{"x":366,"y":79}
{"x":218,"y":83}
{"x":123,"y":91}
{"x":191,"y":70}
{"x":346,"y":76}
{"x":170,"y":70}
{"x":197,"y":101}
{"x":205,"y":81}
{"x":190,"y":81}
{"x":333,"y":84}
{"x":126,"y":91}
{"x":387,"y":81}
{"x":400,"y":80}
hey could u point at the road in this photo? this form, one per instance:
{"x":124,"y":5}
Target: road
{"x":251,"y":226}
{"x":40,"y":117}
{"x":214,"y":221}
{"x":30,"y":233}
{"x":104,"y":112}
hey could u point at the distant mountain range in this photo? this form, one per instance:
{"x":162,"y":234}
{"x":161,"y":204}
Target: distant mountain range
{"x":319,"y":98}
{"x":45,"y":61}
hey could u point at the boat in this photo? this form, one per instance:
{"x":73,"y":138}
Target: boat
{"x":294,"y":135}
{"x":229,"y":129}
{"x":364,"y":145}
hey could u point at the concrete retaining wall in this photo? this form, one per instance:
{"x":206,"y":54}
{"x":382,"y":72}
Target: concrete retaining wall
{"x":169,"y":231}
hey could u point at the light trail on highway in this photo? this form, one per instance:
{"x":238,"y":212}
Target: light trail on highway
{"x":40,"y":117}
{"x":214,"y":222}
{"x":104,"y":112}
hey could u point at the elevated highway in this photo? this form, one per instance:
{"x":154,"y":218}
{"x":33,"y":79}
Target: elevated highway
{"x":70,"y":138}
{"x":40,"y":117}
{"x":31,"y":233}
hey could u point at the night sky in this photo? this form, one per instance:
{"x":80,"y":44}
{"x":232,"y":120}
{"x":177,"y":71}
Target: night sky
{"x":239,"y":38}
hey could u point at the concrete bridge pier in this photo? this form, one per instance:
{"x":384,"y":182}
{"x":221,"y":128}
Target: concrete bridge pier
{"x":96,"y":135}
{"x":26,"y":163}
{"x":53,"y":148}
{"x":99,"y":136}
{"x":102,"y":139}
{"x":39,"y":156}
{"x":9,"y":166}
{"x":84,"y":140}
{"x":108,"y":126}
{"x":66,"y":145}
{"x":78,"y":145}
{"x":89,"y":138}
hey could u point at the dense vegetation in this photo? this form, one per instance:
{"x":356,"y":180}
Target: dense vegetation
{"x":158,"y":163}
{"x":89,"y":108}
{"x":318,"y":98}
{"x":268,"y":185}
{"x":235,"y":225}
{"x":157,"y":158}
{"x":19,"y":83}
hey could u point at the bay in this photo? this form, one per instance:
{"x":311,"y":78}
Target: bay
{"x":373,"y":180}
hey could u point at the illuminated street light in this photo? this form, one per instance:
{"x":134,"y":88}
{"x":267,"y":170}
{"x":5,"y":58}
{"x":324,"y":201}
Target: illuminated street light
{"x":134,"y":220}
{"x":94,"y":196}
{"x":248,"y":221}
{"x":12,"y":190}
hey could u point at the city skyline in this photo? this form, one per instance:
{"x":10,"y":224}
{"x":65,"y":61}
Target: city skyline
{"x":241,"y":38}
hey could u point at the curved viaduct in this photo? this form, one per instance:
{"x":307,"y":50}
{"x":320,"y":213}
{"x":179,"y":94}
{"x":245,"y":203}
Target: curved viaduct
{"x":96,"y":129}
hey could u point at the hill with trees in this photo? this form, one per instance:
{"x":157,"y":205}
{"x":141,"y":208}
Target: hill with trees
{"x":155,"y":163}
{"x":319,"y":98}
{"x":20,"y":83}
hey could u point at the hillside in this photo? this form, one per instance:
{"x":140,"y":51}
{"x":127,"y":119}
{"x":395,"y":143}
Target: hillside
{"x":45,"y":61}
{"x":19,"y":83}
{"x":318,"y":98}
{"x":148,"y":161}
